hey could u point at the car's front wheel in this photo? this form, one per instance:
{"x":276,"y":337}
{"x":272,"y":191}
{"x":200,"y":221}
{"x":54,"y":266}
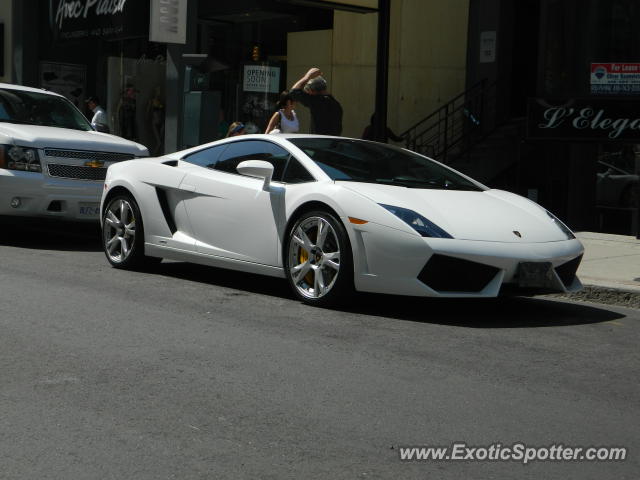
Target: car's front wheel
{"x":318,"y":261}
{"x":123,"y":233}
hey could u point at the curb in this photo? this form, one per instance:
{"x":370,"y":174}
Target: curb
{"x":604,"y":295}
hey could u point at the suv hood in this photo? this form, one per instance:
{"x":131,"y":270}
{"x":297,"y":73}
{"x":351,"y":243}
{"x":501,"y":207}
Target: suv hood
{"x":490,"y":215}
{"x":38,"y":136}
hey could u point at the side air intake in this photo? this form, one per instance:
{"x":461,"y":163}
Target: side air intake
{"x":166,"y":211}
{"x":567,"y":271}
{"x":450,"y":274}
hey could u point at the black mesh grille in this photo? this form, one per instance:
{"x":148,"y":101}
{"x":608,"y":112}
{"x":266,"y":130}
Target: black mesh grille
{"x":81,"y":173}
{"x":567,"y":271}
{"x":85,"y":155}
{"x":449,"y":274}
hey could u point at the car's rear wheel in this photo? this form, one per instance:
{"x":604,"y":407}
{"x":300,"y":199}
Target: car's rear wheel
{"x":318,"y":261}
{"x":123,"y":233}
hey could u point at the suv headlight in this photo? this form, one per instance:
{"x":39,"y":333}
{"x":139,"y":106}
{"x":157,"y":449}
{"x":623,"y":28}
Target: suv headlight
{"x":566,"y":230}
{"x":420,"y":224}
{"x":13,"y":157}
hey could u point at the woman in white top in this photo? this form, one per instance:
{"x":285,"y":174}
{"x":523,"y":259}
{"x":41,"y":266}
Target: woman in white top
{"x":285,"y":119}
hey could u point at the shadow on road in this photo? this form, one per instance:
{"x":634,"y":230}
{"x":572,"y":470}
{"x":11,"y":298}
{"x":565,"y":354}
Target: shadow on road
{"x":49,"y":234}
{"x":506,"y":312}
{"x":241,"y":281}
{"x":503,"y":312}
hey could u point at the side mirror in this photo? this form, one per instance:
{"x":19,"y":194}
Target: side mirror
{"x":258,"y":169}
{"x":99,"y":127}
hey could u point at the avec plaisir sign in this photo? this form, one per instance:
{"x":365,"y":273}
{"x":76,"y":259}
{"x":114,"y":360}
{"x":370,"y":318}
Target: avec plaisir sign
{"x":107,"y":19}
{"x":585,"y":119}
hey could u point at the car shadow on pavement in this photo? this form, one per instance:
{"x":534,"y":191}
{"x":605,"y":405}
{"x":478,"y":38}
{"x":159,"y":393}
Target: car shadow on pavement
{"x":220,"y":277}
{"x":504,"y":312}
{"x":49,"y":234}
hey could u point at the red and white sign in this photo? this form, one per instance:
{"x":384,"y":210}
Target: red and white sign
{"x":615,"y":78}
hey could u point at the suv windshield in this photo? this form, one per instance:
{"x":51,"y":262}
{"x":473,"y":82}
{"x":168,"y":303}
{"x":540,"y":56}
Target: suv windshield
{"x":33,"y":108}
{"x":361,"y":161}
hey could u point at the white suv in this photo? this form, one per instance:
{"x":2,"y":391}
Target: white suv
{"x":52,"y":162}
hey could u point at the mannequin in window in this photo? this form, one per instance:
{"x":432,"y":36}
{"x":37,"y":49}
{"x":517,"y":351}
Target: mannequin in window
{"x":126,"y":112}
{"x":155,"y":115}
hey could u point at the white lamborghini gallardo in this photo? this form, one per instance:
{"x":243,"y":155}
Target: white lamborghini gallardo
{"x":333,"y":215}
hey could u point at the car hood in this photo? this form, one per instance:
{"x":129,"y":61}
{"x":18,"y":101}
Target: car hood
{"x":53,"y":137}
{"x":489,"y":215}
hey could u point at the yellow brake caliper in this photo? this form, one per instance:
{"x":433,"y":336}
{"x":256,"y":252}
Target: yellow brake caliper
{"x":303,"y":256}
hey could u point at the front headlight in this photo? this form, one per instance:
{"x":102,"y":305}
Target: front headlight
{"x":561,"y":226}
{"x":13,"y":157}
{"x":420,"y":224}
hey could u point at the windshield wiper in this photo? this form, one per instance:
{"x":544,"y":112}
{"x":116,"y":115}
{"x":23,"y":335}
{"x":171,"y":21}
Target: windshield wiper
{"x":427,"y":184}
{"x":408,"y":182}
{"x":463,"y":188}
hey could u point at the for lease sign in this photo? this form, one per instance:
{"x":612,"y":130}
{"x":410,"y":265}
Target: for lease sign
{"x":615,"y":78}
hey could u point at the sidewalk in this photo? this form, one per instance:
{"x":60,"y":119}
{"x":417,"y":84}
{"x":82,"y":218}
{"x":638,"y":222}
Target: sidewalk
{"x":610,"y":269}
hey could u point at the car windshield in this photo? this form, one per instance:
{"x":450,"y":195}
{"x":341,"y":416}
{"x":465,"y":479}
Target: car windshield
{"x":34,"y":108}
{"x":370,"y":162}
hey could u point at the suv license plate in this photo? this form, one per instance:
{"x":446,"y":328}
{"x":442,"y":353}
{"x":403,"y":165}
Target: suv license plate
{"x":89,"y":209}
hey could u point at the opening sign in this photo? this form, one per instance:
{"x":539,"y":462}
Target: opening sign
{"x":615,"y":78}
{"x":261,"y":78}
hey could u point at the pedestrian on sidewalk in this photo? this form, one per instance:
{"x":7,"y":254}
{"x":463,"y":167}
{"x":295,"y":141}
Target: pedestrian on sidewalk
{"x":235,"y":129}
{"x":284,"y":120}
{"x":99,"y":120}
{"x":368,"y":133}
{"x":326,"y":111}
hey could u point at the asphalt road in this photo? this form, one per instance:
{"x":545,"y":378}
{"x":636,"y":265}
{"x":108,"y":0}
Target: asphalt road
{"x":192,"y":372}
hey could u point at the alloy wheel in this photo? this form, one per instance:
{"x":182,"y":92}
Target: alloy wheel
{"x":314,"y":257}
{"x":119,"y":231}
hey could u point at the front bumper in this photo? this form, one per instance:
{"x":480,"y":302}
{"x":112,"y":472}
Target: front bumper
{"x":37,"y":195}
{"x":389,"y":261}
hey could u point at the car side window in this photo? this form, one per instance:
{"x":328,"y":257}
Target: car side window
{"x":253,"y":150}
{"x":3,"y":113}
{"x":296,"y":173}
{"x":206,"y":158}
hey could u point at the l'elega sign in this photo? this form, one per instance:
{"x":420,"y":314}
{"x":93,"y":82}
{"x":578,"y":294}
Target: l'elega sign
{"x":584,"y":119}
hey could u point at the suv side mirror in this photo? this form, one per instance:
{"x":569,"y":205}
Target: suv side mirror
{"x":99,"y":127}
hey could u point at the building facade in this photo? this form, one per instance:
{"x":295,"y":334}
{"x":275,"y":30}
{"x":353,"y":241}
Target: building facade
{"x":486,"y":86}
{"x":564,"y":92}
{"x":105,"y":50}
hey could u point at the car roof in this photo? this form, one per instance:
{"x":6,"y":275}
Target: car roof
{"x":252,"y":136}
{"x":12,"y":86}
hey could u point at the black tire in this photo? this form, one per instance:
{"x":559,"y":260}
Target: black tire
{"x":123,"y":234}
{"x":319,"y":265}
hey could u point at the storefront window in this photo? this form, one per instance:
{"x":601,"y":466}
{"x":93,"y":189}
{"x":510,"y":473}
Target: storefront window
{"x":577,"y":33}
{"x":105,"y":53}
{"x":617,"y":187}
{"x":136,"y":100}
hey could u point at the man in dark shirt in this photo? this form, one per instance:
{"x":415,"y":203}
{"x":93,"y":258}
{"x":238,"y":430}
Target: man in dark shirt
{"x":326,"y":112}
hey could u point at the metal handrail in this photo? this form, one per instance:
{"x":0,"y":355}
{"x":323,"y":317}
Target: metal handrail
{"x":455,"y":126}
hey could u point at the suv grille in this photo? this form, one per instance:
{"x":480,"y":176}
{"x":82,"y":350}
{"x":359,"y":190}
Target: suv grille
{"x":72,"y":171}
{"x":84,"y":155}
